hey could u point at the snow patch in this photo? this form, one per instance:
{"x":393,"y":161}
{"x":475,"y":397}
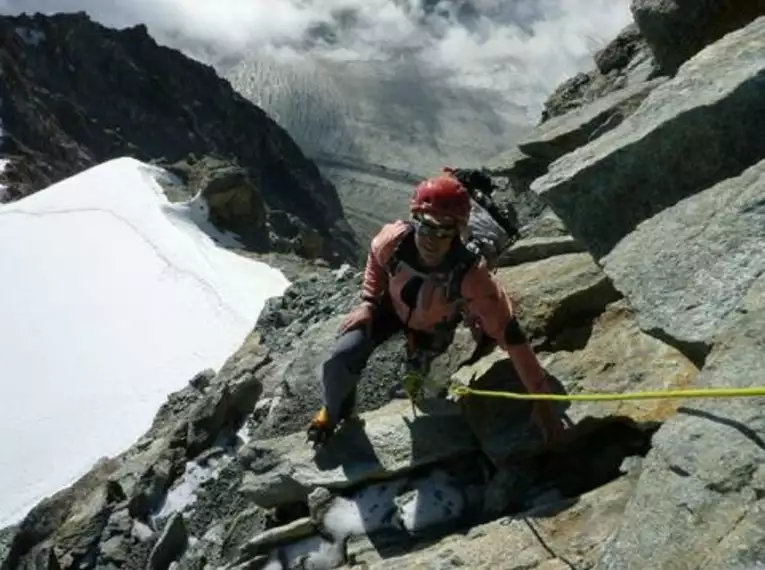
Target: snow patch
{"x":193,"y":216}
{"x":141,"y":531}
{"x":369,"y":510}
{"x":4,"y":162}
{"x":30,"y":36}
{"x":412,"y":505}
{"x":184,"y":493}
{"x":433,"y":500}
{"x":315,"y":552}
{"x":244,"y":435}
{"x":401,"y":504}
{"x":112,"y":299}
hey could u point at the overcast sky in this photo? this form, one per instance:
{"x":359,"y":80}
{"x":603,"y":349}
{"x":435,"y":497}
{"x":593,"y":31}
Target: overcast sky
{"x":528,"y":45}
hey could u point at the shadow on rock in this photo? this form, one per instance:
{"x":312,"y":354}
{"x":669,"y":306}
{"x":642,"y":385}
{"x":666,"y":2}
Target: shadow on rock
{"x":406,"y":505}
{"x":350,"y":449}
{"x":592,"y":454}
{"x":502,"y":425}
{"x":747,"y":432}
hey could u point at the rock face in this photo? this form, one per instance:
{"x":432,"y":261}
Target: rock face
{"x":672,"y":147}
{"x":60,"y":115}
{"x":582,"y":109}
{"x":563,"y":134}
{"x":669,"y":204}
{"x":556,"y":293}
{"x":555,"y":534}
{"x":607,"y":354}
{"x":694,"y":268}
{"x":590,"y":105}
{"x":537,"y":248}
{"x":626,"y":61}
{"x":703,"y":484}
{"x":679,"y":238}
{"x":676,"y":223}
{"x":678,"y":29}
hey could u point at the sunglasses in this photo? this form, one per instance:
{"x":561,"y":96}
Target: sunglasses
{"x":426,"y":229}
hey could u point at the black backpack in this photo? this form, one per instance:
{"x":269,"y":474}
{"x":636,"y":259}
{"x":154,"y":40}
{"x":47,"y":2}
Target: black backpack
{"x":492,"y":229}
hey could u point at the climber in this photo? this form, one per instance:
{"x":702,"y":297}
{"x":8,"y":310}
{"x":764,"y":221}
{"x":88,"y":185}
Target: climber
{"x":421,"y":279}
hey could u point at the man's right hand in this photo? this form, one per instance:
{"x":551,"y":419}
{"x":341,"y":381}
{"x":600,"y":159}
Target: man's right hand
{"x":547,"y":420}
{"x":359,"y":317}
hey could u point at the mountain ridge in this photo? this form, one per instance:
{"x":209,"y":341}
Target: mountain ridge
{"x":59,"y":118}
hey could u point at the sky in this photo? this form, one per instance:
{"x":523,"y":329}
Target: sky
{"x":531,"y":45}
{"x":112,"y":299}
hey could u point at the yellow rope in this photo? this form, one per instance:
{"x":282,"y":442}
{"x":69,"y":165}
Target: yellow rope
{"x":600,"y":397}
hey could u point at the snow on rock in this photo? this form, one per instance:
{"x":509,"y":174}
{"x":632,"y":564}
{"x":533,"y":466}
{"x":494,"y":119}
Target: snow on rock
{"x":314,"y":552}
{"x":3,"y":161}
{"x":183,"y":494}
{"x":30,"y":36}
{"x":3,"y":165}
{"x":111,"y":298}
{"x":411,"y":505}
{"x":369,"y":510}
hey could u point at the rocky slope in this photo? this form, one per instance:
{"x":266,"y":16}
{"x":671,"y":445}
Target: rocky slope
{"x":664,"y":293}
{"x":60,"y":115}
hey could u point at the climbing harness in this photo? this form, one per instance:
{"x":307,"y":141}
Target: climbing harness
{"x":417,"y":368}
{"x":413,"y":386}
{"x":754,"y":391}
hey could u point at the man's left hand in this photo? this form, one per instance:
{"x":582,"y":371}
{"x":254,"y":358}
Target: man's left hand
{"x":544,"y":416}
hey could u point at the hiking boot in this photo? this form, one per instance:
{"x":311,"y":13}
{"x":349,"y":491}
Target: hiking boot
{"x":320,"y":429}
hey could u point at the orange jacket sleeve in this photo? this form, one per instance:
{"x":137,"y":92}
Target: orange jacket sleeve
{"x":488,"y":302}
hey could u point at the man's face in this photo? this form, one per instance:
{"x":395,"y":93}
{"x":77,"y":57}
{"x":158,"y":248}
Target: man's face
{"x":433,"y":237}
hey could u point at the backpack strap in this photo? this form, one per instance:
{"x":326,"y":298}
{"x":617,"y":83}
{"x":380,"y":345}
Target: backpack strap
{"x":461,"y":260}
{"x":466,"y":258}
{"x":405,"y":251}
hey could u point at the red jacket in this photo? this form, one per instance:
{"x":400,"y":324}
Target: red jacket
{"x":482,"y":296}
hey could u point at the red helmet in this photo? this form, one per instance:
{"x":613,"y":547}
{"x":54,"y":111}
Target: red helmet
{"x":442,"y":196}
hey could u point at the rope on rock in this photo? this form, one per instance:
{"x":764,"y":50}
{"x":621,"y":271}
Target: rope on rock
{"x":600,"y":397}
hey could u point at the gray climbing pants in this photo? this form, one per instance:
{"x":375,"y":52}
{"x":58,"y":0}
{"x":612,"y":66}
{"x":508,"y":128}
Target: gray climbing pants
{"x":340,"y":373}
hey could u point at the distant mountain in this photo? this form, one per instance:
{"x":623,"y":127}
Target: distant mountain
{"x":374,"y":128}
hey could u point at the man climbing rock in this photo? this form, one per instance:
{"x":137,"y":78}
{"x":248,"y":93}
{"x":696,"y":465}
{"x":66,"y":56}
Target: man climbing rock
{"x":422,"y":280}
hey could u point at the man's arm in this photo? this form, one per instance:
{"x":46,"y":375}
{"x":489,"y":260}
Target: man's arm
{"x":490,"y":304}
{"x":375,"y":280}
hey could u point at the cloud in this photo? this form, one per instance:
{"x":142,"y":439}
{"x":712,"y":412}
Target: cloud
{"x":525,"y":47}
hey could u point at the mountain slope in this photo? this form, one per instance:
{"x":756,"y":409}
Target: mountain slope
{"x":112,"y":298}
{"x":224,"y":479}
{"x":76,"y":93}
